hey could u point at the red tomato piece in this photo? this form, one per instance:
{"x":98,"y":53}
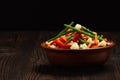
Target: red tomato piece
{"x":75,"y":38}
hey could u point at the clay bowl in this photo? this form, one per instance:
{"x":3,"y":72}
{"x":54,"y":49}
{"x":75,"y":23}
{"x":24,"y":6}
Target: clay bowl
{"x":81,"y":57}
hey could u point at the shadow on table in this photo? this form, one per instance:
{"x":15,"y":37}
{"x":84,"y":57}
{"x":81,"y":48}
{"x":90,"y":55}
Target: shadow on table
{"x":73,"y":71}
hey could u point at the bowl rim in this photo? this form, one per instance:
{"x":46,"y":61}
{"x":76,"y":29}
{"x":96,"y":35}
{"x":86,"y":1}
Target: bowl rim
{"x":46,"y":47}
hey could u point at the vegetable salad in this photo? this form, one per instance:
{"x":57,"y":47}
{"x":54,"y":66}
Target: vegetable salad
{"x":76,"y":36}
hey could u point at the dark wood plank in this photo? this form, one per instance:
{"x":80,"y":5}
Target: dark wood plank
{"x":24,"y":59}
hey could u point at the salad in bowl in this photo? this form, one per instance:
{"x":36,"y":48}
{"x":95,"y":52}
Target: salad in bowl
{"x":77,"y":45}
{"x":77,"y":37}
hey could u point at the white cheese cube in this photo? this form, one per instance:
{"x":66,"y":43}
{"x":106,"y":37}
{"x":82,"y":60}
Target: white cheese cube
{"x":83,"y":46}
{"x":102,"y":43}
{"x":74,"y":46}
{"x":90,"y":40}
{"x":78,"y":26}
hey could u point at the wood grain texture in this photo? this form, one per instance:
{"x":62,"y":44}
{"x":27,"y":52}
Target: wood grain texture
{"x":24,"y":59}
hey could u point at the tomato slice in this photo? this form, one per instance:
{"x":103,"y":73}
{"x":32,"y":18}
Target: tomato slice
{"x":76,"y":37}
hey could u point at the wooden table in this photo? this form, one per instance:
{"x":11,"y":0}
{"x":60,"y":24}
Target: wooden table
{"x":22,"y":58}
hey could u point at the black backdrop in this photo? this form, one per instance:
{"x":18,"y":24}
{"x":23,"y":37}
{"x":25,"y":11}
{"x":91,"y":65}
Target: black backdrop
{"x":99,"y":17}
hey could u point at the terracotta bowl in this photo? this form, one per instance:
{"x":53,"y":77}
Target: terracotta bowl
{"x":81,"y":57}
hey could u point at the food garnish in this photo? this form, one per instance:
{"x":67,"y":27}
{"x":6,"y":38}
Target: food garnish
{"x":77,"y":36}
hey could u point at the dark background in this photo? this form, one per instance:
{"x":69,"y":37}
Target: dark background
{"x":99,"y":16}
{"x":15,"y":18}
{"x":96,"y":19}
